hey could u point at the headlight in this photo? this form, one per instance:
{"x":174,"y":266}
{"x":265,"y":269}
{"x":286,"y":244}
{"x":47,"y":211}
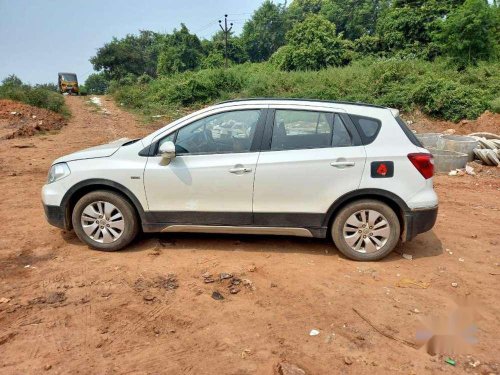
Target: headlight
{"x":58,"y":171}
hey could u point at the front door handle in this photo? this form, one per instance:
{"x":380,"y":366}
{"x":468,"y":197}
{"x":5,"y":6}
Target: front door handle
{"x":342,"y":164}
{"x":239,"y":170}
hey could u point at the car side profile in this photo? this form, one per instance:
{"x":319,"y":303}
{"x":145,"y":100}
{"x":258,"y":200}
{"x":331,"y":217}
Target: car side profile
{"x":353,"y":172}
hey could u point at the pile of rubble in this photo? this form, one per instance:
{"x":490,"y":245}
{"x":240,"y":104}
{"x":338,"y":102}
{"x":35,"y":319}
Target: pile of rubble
{"x":489,"y":148}
{"x":453,"y":152}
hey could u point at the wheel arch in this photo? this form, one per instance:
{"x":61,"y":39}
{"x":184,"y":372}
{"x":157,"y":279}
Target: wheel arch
{"x":84,"y":187}
{"x":397,"y":204}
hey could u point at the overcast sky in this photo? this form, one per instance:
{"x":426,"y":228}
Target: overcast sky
{"x":39,"y":38}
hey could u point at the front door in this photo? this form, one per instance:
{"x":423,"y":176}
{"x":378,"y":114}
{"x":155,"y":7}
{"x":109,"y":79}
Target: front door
{"x":210,"y":181}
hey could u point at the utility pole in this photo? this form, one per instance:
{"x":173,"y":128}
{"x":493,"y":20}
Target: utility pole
{"x":226,"y":31}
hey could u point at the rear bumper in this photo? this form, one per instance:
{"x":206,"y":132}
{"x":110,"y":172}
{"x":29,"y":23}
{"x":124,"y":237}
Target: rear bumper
{"x":419,"y":221}
{"x":55,"y":215}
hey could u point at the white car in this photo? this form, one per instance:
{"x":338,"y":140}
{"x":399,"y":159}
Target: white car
{"x":352,"y":172}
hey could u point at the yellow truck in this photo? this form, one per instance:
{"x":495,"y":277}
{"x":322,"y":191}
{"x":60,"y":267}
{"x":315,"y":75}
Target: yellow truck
{"x":68,"y":83}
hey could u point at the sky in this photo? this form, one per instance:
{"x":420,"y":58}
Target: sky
{"x":39,"y":38}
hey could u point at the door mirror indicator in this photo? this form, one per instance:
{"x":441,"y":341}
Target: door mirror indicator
{"x":167,"y":152}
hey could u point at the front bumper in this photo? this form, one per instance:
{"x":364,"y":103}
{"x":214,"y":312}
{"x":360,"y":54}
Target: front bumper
{"x":419,"y":221}
{"x":56,"y":216}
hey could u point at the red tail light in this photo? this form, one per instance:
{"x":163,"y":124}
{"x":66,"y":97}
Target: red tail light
{"x":424,"y":164}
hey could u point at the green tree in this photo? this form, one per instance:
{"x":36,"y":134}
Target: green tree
{"x":12,"y":81}
{"x":97,"y":83}
{"x":312,"y":44}
{"x":214,"y":59}
{"x":408,"y":25}
{"x":353,"y":18}
{"x":470,"y":33}
{"x":134,"y":54}
{"x":265,"y":32}
{"x":235,"y":49}
{"x":181,"y":51}
{"x":300,"y":9}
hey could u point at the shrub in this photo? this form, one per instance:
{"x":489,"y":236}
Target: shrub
{"x":42,"y":96}
{"x":97,"y":83}
{"x":144,"y":79}
{"x":446,"y":99}
{"x":495,"y":105}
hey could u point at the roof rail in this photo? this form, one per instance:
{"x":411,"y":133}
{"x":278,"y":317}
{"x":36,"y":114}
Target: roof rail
{"x":305,"y":99}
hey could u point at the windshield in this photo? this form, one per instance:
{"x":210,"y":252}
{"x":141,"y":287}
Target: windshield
{"x":68,"y":77}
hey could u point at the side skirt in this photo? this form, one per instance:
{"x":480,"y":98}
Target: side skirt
{"x":300,"y":232}
{"x":286,"y":224}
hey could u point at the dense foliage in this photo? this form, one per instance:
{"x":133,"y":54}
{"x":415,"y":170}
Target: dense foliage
{"x":444,"y":40}
{"x":311,"y":45}
{"x":313,"y":34}
{"x":401,"y":83}
{"x":134,"y":54}
{"x":265,"y":32}
{"x":470,"y":33}
{"x":43,"y":96}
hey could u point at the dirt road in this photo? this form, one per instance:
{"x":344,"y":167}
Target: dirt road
{"x":147,"y":310}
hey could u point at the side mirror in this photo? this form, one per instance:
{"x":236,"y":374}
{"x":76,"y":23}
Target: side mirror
{"x":167,"y":152}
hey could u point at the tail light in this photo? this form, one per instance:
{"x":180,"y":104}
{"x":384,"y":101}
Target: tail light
{"x":424,"y":163}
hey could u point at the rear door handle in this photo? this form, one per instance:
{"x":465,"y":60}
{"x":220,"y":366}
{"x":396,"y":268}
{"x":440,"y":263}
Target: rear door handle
{"x":240,"y":170}
{"x":342,"y":164}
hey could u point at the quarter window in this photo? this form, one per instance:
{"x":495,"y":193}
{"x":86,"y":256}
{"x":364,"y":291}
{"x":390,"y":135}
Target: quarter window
{"x":220,"y":133}
{"x":367,"y":127}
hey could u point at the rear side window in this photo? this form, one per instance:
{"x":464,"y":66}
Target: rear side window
{"x":341,"y":136}
{"x":295,"y":130}
{"x":368,"y":127}
{"x":411,"y":136}
{"x":301,"y":129}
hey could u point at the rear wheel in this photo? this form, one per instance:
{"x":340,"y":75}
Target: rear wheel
{"x":105,"y":221}
{"x":366,"y":230}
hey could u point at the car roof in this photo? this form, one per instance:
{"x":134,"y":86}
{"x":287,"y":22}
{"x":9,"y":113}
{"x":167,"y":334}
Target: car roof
{"x":297,"y":100}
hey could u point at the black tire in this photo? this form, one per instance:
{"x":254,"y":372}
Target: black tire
{"x":337,"y":229}
{"x":131,"y":222}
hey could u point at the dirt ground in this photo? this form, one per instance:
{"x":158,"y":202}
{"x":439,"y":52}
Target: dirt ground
{"x":65,"y":309}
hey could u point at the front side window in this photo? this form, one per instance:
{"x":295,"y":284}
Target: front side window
{"x":295,"y":130}
{"x":220,"y":133}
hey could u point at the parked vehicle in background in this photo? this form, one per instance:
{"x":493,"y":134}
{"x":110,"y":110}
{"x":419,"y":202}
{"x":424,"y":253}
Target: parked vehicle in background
{"x":67,"y":83}
{"x":352,"y":172}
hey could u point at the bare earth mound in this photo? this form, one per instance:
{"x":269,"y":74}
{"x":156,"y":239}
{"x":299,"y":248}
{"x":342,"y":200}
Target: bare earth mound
{"x":23,"y":120}
{"x":487,"y":122}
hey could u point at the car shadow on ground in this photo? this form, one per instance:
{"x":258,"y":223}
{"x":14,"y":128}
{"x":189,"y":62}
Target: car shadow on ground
{"x":423,"y":246}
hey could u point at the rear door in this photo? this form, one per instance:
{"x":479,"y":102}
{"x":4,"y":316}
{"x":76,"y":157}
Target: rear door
{"x":310,"y":157}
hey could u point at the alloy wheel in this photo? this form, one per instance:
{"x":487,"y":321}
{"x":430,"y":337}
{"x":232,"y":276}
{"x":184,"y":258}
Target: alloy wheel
{"x":103,"y":222}
{"x":366,"y":231}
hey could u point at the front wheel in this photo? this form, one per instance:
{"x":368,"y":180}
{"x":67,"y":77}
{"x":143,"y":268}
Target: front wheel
{"x":366,"y":230}
{"x":105,"y":221}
